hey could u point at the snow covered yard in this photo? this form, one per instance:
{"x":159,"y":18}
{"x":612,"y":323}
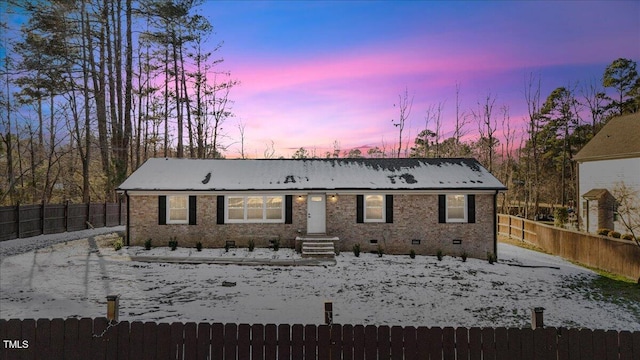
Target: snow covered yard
{"x":73,"y":279}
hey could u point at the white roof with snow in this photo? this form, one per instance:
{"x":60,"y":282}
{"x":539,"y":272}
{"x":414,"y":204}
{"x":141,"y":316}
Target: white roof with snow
{"x":311,"y":174}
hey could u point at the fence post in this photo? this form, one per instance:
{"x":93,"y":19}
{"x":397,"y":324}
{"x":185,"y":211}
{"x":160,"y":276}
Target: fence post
{"x":88,"y":224}
{"x":42,"y":216}
{"x":113,"y":307}
{"x":105,"y":213}
{"x":328,"y":313}
{"x":18,"y":220}
{"x":537,"y":315}
{"x":66,"y":215}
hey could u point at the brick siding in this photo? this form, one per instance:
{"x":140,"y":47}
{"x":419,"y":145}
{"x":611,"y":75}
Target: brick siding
{"x":415,"y":217}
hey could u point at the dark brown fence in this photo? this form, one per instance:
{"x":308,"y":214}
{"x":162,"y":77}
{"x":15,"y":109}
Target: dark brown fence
{"x":30,"y":220}
{"x":96,"y":339}
{"x":617,"y":256}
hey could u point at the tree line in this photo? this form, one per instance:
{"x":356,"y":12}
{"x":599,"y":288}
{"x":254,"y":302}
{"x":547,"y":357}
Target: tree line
{"x":93,"y":88}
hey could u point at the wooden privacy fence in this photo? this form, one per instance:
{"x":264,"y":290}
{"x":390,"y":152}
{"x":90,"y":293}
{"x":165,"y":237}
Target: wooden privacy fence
{"x":617,"y":256}
{"x":99,"y":339}
{"x":30,"y":220}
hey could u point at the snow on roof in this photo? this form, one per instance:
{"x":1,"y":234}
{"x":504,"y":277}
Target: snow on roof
{"x":310,"y":174}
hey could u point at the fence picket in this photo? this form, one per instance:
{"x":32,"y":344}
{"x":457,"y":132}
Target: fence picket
{"x":475,"y":343}
{"x":384,"y":342}
{"x":370,"y":342}
{"x":297,"y":341}
{"x":244,"y":341}
{"x":136,"y":339}
{"x":284,"y":341}
{"x":625,"y":341}
{"x":43,"y":337}
{"x":462,"y":343}
{"x":217,"y":341}
{"x":203,"y":341}
{"x":397,"y":343}
{"x":124,"y":335}
{"x":257,"y":341}
{"x":230,"y":341}
{"x":435,"y":342}
{"x":358,"y":342}
{"x":347,"y":342}
{"x":336,"y":341}
{"x":526,"y":344}
{"x":324,"y":342}
{"x":163,"y":341}
{"x":635,"y":343}
{"x":149,"y":340}
{"x":270,"y":342}
{"x":176,"y":342}
{"x":449,"y":343}
{"x":310,"y":342}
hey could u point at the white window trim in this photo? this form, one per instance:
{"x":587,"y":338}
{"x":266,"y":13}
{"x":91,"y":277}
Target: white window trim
{"x":465,"y":209}
{"x":384,"y":208}
{"x":264,"y":210}
{"x":169,"y":221}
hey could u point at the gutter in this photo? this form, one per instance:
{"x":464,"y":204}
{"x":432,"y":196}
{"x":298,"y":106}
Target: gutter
{"x":126,"y":194}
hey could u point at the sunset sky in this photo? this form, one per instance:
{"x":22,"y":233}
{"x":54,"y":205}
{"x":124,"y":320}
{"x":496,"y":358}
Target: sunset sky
{"x":314,"y":72}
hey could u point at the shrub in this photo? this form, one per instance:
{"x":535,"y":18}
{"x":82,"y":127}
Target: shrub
{"x":464,"y":256}
{"x":251,"y":245}
{"x":614,"y":234}
{"x":412,"y":254}
{"x":380,"y":250}
{"x":626,"y":236}
{"x":199,"y":246}
{"x":276,"y":244}
{"x":173,"y":243}
{"x":226,"y":246}
{"x":440,"y":255}
{"x":147,"y":244}
{"x":560,"y":216}
{"x":491,"y":257}
{"x":117,"y":245}
{"x":603,"y":231}
{"x":356,"y":250}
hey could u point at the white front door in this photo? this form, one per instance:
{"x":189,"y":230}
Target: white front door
{"x":316,"y":214}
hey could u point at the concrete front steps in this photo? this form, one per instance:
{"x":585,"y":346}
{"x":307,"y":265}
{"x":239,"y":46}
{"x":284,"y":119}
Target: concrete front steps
{"x":317,"y":245}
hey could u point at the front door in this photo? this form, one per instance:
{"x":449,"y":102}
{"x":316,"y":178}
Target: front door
{"x":316,"y":214}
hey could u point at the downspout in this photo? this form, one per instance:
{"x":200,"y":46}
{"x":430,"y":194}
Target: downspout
{"x":495,"y":224}
{"x":126,"y":194}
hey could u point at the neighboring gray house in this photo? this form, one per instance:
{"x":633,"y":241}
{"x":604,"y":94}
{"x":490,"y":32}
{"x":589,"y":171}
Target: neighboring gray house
{"x":610,"y":159}
{"x":316,"y":204}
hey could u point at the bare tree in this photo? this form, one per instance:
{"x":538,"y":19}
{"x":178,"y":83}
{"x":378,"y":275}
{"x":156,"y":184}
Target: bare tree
{"x":241,"y":128}
{"x":487,"y":126}
{"x":404,"y":106}
{"x":532,"y":151}
{"x":461,"y":121}
{"x":628,"y":208}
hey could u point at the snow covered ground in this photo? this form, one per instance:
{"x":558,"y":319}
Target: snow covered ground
{"x":67,"y":278}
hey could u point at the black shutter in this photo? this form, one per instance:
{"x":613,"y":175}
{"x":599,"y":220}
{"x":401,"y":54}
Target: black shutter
{"x":192,"y":210}
{"x":442,"y":209}
{"x":389,"y":208}
{"x":162,"y":210}
{"x":359,"y":208}
{"x":288,"y":209}
{"x":471,"y":208}
{"x":220,"y":210}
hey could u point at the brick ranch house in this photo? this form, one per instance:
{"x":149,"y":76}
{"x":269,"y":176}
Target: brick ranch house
{"x":400,"y":204}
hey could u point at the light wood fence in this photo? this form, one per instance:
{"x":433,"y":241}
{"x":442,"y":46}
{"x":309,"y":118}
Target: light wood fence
{"x":617,"y":256}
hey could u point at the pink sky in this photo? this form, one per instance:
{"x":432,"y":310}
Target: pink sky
{"x":309,"y":79}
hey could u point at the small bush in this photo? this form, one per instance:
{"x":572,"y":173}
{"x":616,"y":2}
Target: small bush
{"x":439,"y":255}
{"x":199,"y":246}
{"x":356,"y":250}
{"x":626,"y":236}
{"x":147,"y":244}
{"x":276,"y":244}
{"x":560,"y":216}
{"x":491,"y":257}
{"x":412,"y":254}
{"x":117,"y":245}
{"x":251,"y":245}
{"x":603,"y":231}
{"x":380,"y":250}
{"x":464,"y":256}
{"x":226,"y":246}
{"x":173,"y":243}
{"x":614,"y":234}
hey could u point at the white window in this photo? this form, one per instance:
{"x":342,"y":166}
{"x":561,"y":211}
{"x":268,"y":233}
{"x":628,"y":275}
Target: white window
{"x":177,"y":209}
{"x":456,"y":208}
{"x":256,"y":209}
{"x":374,"y":208}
